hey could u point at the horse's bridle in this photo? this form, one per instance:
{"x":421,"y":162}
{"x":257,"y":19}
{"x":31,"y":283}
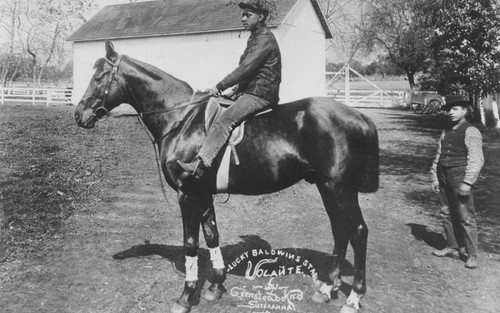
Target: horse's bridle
{"x":99,"y":106}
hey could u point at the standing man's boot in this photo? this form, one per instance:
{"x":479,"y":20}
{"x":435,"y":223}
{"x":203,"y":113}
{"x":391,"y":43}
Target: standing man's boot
{"x":471,"y":262}
{"x":446,"y":252}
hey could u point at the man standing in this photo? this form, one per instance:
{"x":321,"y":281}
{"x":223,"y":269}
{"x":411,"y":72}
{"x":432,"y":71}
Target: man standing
{"x":257,"y":78}
{"x":456,"y":167}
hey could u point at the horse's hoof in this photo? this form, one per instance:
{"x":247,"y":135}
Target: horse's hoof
{"x":212,"y":295}
{"x":318,"y":297}
{"x":348,"y":309}
{"x":177,"y":308}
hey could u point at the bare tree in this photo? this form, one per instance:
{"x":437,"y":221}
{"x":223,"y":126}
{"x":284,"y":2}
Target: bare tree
{"x":346,"y":19}
{"x":11,"y":56}
{"x":44,"y":26}
{"x":403,"y":29}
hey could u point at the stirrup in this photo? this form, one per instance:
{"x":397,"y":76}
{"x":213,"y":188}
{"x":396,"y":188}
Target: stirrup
{"x":194,"y":168}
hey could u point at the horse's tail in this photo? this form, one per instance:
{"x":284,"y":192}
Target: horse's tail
{"x":369,"y":157}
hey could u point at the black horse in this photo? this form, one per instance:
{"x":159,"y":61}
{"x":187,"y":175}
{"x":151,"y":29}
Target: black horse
{"x":316,"y":139}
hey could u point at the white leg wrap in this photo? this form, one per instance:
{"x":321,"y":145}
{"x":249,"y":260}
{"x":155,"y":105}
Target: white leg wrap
{"x":353,"y":300}
{"x":216,"y":258}
{"x":326,"y":290}
{"x":191,"y":268}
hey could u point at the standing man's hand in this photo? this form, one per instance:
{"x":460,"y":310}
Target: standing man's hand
{"x":435,"y":187}
{"x":214,"y":91}
{"x":464,"y":189}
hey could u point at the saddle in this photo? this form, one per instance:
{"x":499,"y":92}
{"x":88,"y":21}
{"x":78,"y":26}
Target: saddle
{"x":214,"y":109}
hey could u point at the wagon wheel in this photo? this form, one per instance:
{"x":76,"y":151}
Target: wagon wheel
{"x":434,"y":106}
{"x":417,"y":108}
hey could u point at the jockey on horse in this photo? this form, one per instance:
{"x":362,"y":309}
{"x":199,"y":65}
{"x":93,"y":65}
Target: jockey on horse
{"x":256,"y":80}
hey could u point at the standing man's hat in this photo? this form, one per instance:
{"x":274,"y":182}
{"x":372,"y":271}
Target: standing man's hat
{"x":256,"y":6}
{"x":455,"y":100}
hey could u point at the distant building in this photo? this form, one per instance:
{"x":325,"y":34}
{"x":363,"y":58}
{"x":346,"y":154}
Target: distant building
{"x":200,"y":41}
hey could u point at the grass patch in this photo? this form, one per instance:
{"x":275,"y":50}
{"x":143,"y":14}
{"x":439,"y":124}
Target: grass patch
{"x":43,"y":175}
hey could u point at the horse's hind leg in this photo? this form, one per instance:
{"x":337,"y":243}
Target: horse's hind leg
{"x":209,"y":226}
{"x":359,"y":242}
{"x":347,"y":223}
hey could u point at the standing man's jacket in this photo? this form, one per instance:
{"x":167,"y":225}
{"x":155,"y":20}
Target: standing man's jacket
{"x":460,"y":146}
{"x":453,"y":148}
{"x":259,"y":70}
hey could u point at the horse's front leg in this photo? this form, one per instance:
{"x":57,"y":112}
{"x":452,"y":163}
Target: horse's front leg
{"x":191,"y":208}
{"x":211,"y":233}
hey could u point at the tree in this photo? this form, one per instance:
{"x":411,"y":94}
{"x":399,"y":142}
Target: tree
{"x":334,"y":67}
{"x":47,"y":23}
{"x":37,"y":31}
{"x":384,"y":66}
{"x":403,"y":29}
{"x":346,"y":19}
{"x":465,"y":48}
{"x":11,"y":55}
{"x":11,"y":65}
{"x":10,"y":14}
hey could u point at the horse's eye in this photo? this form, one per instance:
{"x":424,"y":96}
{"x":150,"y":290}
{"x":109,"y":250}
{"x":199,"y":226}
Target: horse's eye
{"x":100,"y":76}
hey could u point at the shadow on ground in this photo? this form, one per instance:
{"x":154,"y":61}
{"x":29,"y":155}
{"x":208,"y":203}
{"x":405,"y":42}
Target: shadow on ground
{"x":430,"y":237}
{"x":410,"y":158}
{"x":322,"y":262}
{"x":422,"y":122}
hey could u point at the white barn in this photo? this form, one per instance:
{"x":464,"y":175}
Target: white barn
{"x":200,"y":41}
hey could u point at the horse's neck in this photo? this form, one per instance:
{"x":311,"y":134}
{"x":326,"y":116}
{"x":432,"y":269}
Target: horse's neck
{"x":150,"y":90}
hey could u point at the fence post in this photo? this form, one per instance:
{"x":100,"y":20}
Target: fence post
{"x":33,"y":97}
{"x":3,"y":92}
{"x":347,"y":86}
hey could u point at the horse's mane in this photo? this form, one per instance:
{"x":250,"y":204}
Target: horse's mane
{"x":148,"y":69}
{"x":145,"y":68}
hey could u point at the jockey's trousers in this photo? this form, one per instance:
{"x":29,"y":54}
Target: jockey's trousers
{"x":246,"y":106}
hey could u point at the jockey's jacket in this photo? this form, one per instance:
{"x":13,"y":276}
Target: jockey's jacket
{"x":259,"y":70}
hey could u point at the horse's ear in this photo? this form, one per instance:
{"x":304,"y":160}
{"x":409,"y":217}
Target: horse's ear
{"x":110,"y":51}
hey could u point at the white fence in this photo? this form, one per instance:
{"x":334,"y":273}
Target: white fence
{"x":375,"y":98}
{"x":35,"y":96}
{"x":53,"y":96}
{"x":369,"y":98}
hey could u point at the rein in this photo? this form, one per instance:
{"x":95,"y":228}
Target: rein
{"x":155,"y":142}
{"x":140,"y":116}
{"x":183,"y":105}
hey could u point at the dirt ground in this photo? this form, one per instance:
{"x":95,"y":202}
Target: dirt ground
{"x":114,"y":243}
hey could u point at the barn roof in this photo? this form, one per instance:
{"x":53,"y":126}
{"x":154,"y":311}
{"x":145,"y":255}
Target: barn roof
{"x":174,"y":17}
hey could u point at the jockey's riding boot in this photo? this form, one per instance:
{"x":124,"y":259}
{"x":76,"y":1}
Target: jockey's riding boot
{"x":195,"y":168}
